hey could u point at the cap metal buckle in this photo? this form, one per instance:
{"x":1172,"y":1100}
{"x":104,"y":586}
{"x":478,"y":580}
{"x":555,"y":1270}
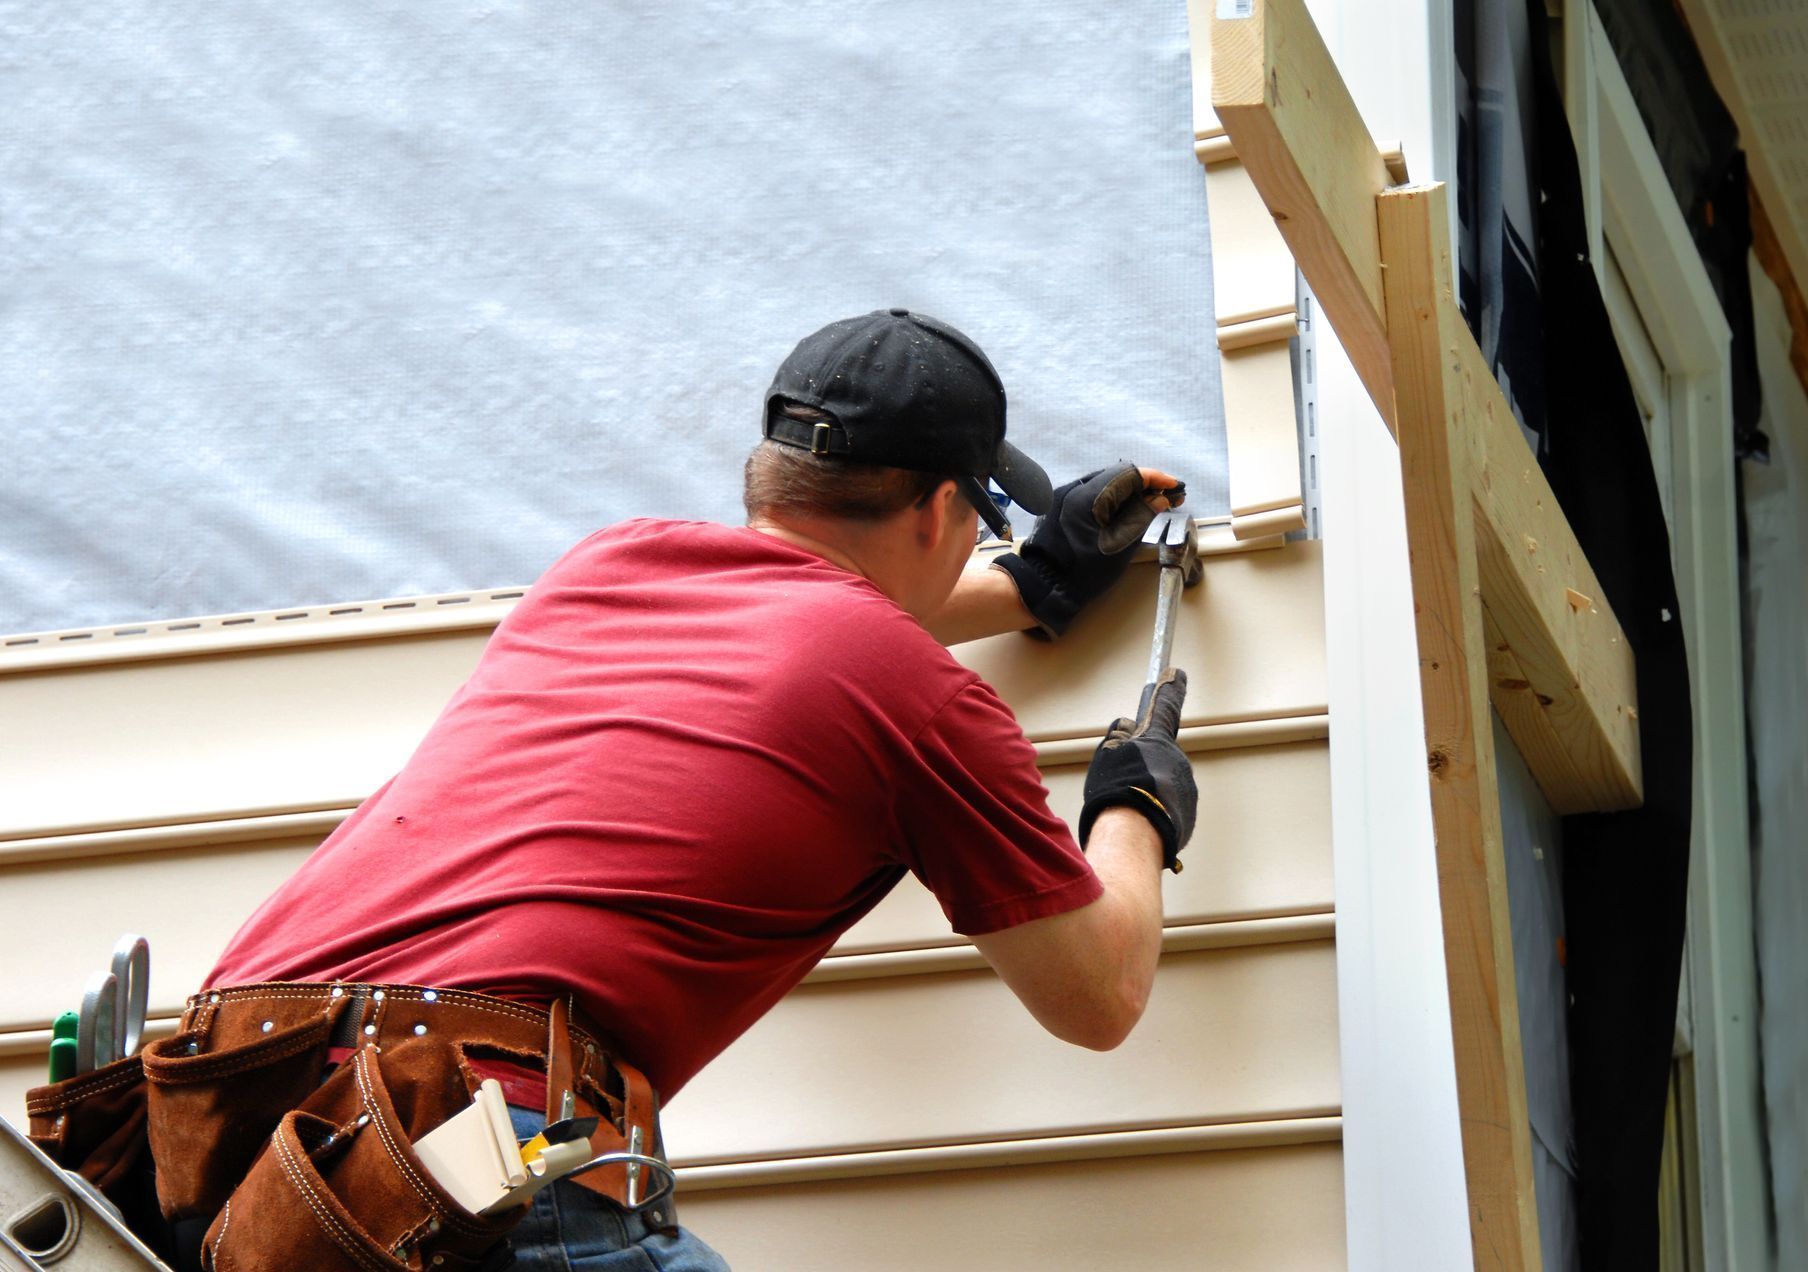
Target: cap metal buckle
{"x":819,"y":438}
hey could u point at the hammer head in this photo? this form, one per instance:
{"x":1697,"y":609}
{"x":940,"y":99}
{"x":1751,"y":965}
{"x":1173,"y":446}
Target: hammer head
{"x":1177,"y":548}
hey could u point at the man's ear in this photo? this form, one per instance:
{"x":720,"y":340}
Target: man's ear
{"x":937,"y":514}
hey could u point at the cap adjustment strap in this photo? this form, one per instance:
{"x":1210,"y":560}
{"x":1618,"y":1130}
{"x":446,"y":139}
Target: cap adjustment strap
{"x":819,"y":437}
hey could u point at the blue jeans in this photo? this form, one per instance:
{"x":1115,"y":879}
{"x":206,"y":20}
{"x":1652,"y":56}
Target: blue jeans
{"x":571,"y":1228}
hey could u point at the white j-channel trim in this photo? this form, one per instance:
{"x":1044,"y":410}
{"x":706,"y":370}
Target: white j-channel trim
{"x":1405,"y":1200}
{"x":1320,"y":1127}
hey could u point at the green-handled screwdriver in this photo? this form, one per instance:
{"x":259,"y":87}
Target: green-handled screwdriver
{"x":62,"y":1045}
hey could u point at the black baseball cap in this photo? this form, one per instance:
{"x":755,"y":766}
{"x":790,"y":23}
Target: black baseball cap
{"x":906,"y":391}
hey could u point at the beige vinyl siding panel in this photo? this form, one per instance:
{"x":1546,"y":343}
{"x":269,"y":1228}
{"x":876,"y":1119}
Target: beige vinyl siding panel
{"x":1237,"y":1035}
{"x":1260,"y":1210}
{"x":195,"y":738}
{"x":1251,"y":638}
{"x":1266,"y":849}
{"x":1260,"y":430}
{"x":284,"y":728}
{"x":1255,"y":303}
{"x":62,"y":918}
{"x":1252,"y":270}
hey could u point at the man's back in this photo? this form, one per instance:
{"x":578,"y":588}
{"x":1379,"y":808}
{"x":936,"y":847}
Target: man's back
{"x":689,"y":759}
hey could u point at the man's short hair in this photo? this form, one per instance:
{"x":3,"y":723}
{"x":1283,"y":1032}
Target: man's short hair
{"x":780,"y":479}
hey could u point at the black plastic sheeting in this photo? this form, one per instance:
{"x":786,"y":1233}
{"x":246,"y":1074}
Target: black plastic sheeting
{"x":1625,"y":875}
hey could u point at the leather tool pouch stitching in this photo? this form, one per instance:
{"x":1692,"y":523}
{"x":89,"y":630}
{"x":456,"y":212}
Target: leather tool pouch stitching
{"x":94,"y":1122}
{"x":340,"y":1186}
{"x":211,"y":1111}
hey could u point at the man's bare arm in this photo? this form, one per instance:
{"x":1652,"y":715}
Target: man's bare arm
{"x":984,"y":603}
{"x":1085,"y":975}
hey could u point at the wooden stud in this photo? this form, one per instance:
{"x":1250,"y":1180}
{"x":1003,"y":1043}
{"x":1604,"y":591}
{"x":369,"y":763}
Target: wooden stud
{"x":1278,"y":94}
{"x":1434,"y":425}
{"x":1550,"y":608}
{"x":1526,"y":714}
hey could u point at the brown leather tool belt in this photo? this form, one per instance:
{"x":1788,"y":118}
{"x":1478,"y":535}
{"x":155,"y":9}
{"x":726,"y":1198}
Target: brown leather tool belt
{"x":239,"y":1120}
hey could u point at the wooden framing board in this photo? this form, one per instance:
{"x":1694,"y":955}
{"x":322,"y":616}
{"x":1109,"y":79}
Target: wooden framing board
{"x":1435,"y":424}
{"x":1572,"y":706}
{"x":1768,"y":248}
{"x":1293,"y":124}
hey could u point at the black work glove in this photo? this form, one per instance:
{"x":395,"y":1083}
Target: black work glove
{"x":1139,"y":765}
{"x":1080,"y":546}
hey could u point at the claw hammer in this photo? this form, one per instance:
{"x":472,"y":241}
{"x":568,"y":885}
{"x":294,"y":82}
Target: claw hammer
{"x":1177,"y":555}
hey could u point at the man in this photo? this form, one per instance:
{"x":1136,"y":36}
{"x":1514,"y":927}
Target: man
{"x":689,"y":760}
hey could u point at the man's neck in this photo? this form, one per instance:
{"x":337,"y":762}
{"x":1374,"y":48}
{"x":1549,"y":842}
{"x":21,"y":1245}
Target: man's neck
{"x":811,"y":544}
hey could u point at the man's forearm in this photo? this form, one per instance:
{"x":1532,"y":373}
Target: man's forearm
{"x":1125,"y":852}
{"x":1086,"y":974}
{"x":984,"y":603}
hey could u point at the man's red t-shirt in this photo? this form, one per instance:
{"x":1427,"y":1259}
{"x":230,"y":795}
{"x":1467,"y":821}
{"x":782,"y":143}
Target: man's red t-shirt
{"x":689,"y":759}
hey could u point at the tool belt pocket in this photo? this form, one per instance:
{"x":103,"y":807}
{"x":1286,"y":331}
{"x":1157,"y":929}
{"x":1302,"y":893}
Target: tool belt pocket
{"x":211,"y":1109}
{"x":340,"y":1187}
{"x":94,"y":1123}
